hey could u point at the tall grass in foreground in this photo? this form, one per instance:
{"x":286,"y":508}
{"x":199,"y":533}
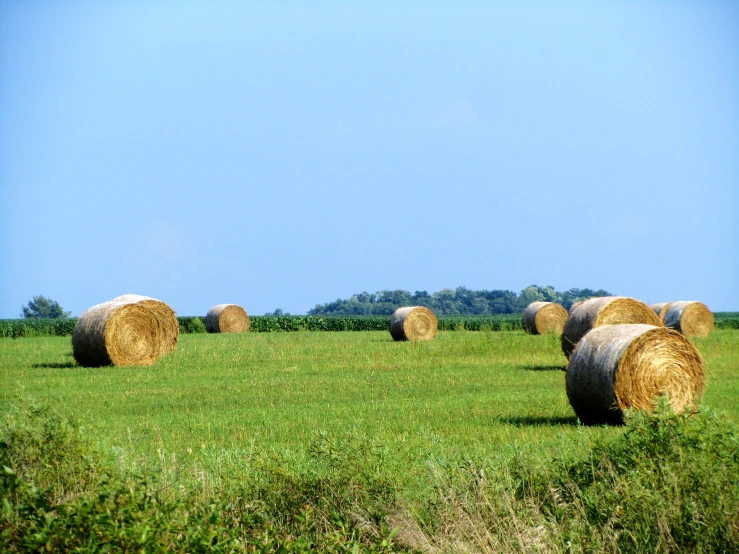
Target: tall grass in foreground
{"x":669,"y":483}
{"x":287,"y":442}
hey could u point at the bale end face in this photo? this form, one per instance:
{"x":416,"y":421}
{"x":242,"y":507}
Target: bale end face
{"x":540,"y":318}
{"x":691,"y":318}
{"x":413,"y":323}
{"x":166,"y":319}
{"x":227,"y":318}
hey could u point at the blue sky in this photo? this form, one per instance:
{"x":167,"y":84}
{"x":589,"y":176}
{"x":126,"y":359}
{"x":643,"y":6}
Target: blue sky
{"x":286,"y":154}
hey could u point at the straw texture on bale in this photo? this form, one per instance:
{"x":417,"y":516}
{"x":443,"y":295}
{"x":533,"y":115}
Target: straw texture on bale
{"x":413,"y":323}
{"x":616,"y":367}
{"x":227,"y":318}
{"x":117,"y":333}
{"x":544,"y":317}
{"x":691,"y":318}
{"x":605,"y":310}
{"x":169,"y":327}
{"x":660,"y":309}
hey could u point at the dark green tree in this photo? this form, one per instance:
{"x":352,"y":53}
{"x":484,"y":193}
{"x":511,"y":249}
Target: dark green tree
{"x":453,"y":301}
{"x":277,"y":313}
{"x":42,"y":307}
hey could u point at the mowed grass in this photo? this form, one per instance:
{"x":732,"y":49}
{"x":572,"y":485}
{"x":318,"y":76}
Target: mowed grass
{"x":221,"y":405}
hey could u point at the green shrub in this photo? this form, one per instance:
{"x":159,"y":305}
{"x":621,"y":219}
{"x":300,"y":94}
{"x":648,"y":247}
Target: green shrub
{"x":196,"y":325}
{"x":670,"y":483}
{"x":16,"y":328}
{"x":726,"y":320}
{"x":508,"y":322}
{"x":57,"y":498}
{"x":319,"y":323}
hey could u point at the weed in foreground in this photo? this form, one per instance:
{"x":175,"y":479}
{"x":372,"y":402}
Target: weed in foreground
{"x":669,"y":483}
{"x":57,"y":498}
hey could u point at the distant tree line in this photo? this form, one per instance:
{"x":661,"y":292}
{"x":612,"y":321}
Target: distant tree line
{"x":453,"y":301}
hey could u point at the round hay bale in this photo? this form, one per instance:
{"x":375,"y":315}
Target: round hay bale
{"x":544,"y":317}
{"x":165,"y":316}
{"x":691,"y":318}
{"x":574,"y":305}
{"x":413,"y":323}
{"x":227,"y":318}
{"x":659,"y":309}
{"x":616,"y":367}
{"x":604,"y":310}
{"x":117,"y":333}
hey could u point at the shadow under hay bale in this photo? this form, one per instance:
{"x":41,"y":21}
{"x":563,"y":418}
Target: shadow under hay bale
{"x":166,"y":319}
{"x":414,"y":323}
{"x":616,"y":367}
{"x":691,"y":318}
{"x":540,"y":318}
{"x":605,"y":310}
{"x":227,"y":318}
{"x":117,"y":333}
{"x":544,"y":367}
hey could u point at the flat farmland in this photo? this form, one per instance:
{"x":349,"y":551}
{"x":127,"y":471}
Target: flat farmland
{"x":228,"y":409}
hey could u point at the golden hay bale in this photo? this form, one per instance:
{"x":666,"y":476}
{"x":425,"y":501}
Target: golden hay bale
{"x":659,"y":309}
{"x":544,"y":317}
{"x":689,"y":317}
{"x":413,"y":323}
{"x":616,"y":367}
{"x":165,"y":316}
{"x":117,"y":333}
{"x":604,"y":310}
{"x":227,"y":318}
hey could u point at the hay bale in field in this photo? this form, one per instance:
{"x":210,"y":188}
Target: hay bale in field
{"x":659,"y":309}
{"x":689,"y":317}
{"x":413,"y":323}
{"x":574,"y":305}
{"x":604,"y":310}
{"x":616,"y":367}
{"x":227,"y":318}
{"x":165,"y":316}
{"x":117,"y":333}
{"x":544,"y":317}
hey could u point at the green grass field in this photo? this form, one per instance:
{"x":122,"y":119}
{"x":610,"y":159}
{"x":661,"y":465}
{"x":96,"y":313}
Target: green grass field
{"x":224,"y":410}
